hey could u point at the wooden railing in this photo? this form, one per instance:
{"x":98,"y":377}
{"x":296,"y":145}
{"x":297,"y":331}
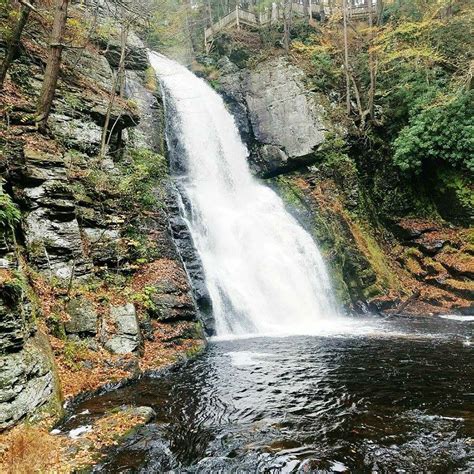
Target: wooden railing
{"x":238,"y":16}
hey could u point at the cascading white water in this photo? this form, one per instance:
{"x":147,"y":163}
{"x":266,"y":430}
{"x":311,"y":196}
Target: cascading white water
{"x":263,"y":271}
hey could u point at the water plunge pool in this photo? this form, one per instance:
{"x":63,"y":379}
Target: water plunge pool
{"x":396,"y":394}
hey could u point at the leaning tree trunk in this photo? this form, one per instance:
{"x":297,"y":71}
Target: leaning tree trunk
{"x":372,"y":65}
{"x":287,"y":16}
{"x":14,"y":41}
{"x":346,"y":58}
{"x":53,"y":64}
{"x":117,"y":86}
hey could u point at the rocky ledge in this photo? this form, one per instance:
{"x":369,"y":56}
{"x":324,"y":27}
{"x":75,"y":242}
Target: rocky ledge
{"x":283,"y":124}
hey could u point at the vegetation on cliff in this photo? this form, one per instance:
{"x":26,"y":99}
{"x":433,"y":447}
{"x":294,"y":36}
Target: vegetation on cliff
{"x":92,"y":290}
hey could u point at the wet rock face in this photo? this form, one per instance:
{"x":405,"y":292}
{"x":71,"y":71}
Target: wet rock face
{"x":192,"y":262}
{"x":280,"y":114}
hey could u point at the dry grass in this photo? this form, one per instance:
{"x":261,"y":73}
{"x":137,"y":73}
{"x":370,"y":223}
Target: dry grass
{"x":32,"y":449}
{"x":29,"y":449}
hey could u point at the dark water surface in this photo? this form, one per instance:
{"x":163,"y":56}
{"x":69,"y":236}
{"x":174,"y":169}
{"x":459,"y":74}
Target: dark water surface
{"x":378,"y":395}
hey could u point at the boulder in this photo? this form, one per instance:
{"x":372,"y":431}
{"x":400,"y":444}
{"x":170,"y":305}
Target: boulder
{"x":26,"y":383}
{"x":136,"y":57}
{"x":27,"y":380}
{"x":270,"y":161}
{"x":80,"y":134}
{"x":123,"y":332}
{"x":284,"y":125}
{"x":172,"y":307}
{"x":147,"y":413}
{"x":83,"y":317}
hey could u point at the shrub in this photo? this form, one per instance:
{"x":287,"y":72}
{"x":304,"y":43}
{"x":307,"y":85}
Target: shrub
{"x":144,"y":176}
{"x":440,"y":132}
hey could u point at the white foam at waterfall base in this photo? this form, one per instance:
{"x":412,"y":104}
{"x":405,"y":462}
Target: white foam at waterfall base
{"x":264,"y":272}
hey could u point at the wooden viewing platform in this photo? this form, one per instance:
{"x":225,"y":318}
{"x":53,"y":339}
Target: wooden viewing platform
{"x":316,"y":9}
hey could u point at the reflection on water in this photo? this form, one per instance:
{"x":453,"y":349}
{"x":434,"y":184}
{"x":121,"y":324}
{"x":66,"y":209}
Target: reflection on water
{"x":398,"y":397}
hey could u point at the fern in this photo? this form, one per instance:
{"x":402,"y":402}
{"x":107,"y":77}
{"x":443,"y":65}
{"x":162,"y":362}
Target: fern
{"x":9,"y":213}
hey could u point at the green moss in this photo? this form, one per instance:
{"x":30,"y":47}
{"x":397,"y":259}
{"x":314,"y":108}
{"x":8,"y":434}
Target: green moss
{"x":145,"y":298}
{"x":433,"y":267}
{"x":195,"y":350}
{"x":413,"y":252}
{"x":73,"y":352}
{"x":9,"y":213}
{"x":151,"y":82}
{"x":454,"y":195}
{"x":54,"y":407}
{"x":323,"y":227}
{"x":358,"y":265}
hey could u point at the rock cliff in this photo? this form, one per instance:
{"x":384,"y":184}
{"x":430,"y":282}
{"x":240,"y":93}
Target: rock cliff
{"x":380,"y":261}
{"x":281,"y":121}
{"x":92,"y":287}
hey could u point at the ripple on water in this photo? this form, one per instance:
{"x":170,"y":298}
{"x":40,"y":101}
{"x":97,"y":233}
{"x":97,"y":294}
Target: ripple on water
{"x":357,"y":403}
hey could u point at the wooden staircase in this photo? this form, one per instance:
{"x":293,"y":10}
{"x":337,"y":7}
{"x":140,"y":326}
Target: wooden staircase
{"x":319,"y":9}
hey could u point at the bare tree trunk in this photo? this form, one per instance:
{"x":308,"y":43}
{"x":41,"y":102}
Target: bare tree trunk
{"x":372,"y":66}
{"x":209,"y":12}
{"x":14,"y":41}
{"x":379,"y":9}
{"x":53,"y":65}
{"x":287,"y":16}
{"x":188,"y":28}
{"x":306,"y":8}
{"x":118,"y":84}
{"x":346,"y":58}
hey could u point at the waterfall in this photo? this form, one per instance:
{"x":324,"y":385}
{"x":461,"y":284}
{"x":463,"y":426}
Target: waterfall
{"x":264,"y":272}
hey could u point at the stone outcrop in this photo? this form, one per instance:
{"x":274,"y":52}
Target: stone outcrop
{"x":280,"y":120}
{"x":150,"y":108}
{"x":121,"y":332}
{"x":83,"y":318}
{"x":50,"y":227}
{"x":136,"y":57}
{"x":27,"y":378}
{"x":438,"y":256}
{"x":85,"y":232}
{"x":424,"y":267}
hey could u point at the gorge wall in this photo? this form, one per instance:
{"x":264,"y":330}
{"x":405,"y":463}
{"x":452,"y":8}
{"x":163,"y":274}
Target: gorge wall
{"x":388,"y":261}
{"x":92,"y":289}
